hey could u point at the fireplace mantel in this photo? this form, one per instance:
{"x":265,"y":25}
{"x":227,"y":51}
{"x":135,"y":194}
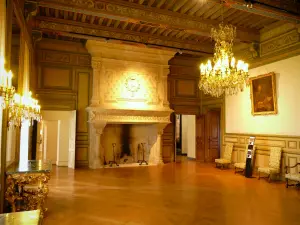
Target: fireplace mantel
{"x":128,"y":116}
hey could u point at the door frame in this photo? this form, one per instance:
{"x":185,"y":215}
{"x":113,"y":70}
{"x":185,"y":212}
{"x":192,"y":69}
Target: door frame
{"x":216,"y":104}
{"x":206,"y":137}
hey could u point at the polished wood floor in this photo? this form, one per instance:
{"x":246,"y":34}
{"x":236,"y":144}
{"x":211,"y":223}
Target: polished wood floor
{"x":185,"y":193}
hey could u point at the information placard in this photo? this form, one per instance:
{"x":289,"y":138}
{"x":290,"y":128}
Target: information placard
{"x":248,"y":170}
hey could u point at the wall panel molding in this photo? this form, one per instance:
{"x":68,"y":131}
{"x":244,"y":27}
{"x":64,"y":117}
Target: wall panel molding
{"x":65,"y":58}
{"x":263,"y":143}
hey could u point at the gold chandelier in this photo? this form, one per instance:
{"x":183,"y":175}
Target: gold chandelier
{"x":225,"y":74}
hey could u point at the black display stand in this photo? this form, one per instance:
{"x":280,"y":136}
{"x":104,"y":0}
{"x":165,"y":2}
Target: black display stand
{"x":248,"y":169}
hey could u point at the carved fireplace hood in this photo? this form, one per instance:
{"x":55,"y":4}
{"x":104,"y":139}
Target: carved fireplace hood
{"x":129,"y":83}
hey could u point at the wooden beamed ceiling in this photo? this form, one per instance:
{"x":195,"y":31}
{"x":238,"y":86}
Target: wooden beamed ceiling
{"x":180,"y":24}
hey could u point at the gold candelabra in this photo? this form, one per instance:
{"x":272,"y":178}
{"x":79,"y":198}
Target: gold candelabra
{"x":6,"y":89}
{"x":20,"y":108}
{"x":23,"y":108}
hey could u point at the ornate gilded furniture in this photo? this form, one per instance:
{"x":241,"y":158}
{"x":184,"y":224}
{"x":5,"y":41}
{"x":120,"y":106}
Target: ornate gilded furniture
{"x":21,"y":218}
{"x":226,"y":160}
{"x":274,"y":163}
{"x":295,"y":177}
{"x":27,"y":186}
{"x":241,"y":166}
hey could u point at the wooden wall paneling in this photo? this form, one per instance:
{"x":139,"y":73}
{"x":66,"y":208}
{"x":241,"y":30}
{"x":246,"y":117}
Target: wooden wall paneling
{"x":82,"y":129}
{"x":57,"y":77}
{"x":63,"y":84}
{"x":183,"y":85}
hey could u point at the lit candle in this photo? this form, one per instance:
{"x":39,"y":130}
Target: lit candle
{"x":233,"y":62}
{"x":10,"y":75}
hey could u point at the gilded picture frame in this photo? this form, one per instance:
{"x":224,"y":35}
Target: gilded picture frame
{"x":263,"y":94}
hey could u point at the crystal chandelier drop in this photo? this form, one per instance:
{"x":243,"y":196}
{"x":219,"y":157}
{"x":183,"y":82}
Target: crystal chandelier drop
{"x":224,"y":74}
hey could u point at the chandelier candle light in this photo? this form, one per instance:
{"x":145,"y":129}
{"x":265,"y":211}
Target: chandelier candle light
{"x":6,"y":88}
{"x":225,"y":74}
{"x":24,"y":108}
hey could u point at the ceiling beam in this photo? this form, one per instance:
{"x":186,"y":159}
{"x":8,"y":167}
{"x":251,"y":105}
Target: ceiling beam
{"x":262,"y":10}
{"x":60,"y":25}
{"x":132,"y":12}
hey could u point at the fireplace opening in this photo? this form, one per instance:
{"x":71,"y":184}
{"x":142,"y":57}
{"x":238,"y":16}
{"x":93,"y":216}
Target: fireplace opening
{"x":125,"y":136}
{"x":128,"y":144}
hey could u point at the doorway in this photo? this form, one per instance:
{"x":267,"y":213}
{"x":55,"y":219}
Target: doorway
{"x":185,"y":137}
{"x":59,"y":132}
{"x":208,"y":136}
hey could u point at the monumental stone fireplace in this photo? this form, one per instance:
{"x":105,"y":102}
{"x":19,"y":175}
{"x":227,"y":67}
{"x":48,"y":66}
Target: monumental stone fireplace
{"x":129,"y":106}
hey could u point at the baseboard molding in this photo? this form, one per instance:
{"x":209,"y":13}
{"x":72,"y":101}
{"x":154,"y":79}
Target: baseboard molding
{"x":190,"y":158}
{"x":62,"y":163}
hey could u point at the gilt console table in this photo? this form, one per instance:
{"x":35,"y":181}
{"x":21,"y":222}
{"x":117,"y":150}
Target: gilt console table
{"x":27,"y":186}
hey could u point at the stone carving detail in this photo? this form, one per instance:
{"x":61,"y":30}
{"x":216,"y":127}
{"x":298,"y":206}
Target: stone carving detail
{"x":96,"y":64}
{"x":116,"y":89}
{"x":280,"y":42}
{"x":254,"y":50}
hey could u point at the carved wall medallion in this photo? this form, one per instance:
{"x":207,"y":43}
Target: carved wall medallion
{"x":132,"y":84}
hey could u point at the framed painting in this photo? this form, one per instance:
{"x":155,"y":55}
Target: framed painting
{"x":263,"y":94}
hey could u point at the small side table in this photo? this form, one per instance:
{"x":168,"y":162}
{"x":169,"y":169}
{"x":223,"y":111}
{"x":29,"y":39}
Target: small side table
{"x":27,"y":183}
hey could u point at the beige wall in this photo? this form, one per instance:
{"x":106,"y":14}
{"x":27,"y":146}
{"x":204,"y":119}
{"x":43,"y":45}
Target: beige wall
{"x":189,"y":135}
{"x":281,"y":130}
{"x":238,"y":108}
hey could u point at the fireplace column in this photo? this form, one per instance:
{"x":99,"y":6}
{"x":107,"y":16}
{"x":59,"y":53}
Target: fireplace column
{"x":96,"y":131}
{"x":160,"y":131}
{"x":97,"y":65}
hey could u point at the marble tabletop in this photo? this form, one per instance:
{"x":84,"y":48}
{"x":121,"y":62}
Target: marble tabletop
{"x":30,"y":166}
{"x":21,"y":218}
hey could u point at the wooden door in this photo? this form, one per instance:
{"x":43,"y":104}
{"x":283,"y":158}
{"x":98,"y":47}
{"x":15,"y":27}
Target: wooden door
{"x":200,"y":138}
{"x":212,"y":148}
{"x":168,"y":141}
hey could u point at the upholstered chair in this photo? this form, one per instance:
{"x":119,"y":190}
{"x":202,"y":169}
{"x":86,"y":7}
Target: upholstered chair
{"x":226,"y":160}
{"x":295,"y":177}
{"x":274,"y":163}
{"x":241,"y":166}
